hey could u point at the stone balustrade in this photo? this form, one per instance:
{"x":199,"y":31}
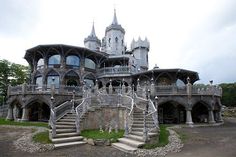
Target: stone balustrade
{"x":115,"y":70}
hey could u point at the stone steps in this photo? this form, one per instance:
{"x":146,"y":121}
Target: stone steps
{"x":62,"y":145}
{"x":124,"y":147}
{"x":66,"y":134}
{"x":131,"y":142}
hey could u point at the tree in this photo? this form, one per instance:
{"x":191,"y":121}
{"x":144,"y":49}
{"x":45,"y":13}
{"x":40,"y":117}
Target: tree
{"x":11,"y":74}
{"x":229,"y":94}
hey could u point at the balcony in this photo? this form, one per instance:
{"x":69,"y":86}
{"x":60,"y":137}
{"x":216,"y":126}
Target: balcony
{"x":44,"y":89}
{"x":122,"y":70}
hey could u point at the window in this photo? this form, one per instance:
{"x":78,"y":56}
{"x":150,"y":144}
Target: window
{"x":40,"y":63}
{"x":116,"y":40}
{"x":89,"y":63}
{"x":39,"y":81}
{"x":73,"y":61}
{"x":53,"y":80}
{"x":54,"y":60}
{"x":89,"y":82}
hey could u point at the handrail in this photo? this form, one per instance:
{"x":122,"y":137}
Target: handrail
{"x":52,"y":123}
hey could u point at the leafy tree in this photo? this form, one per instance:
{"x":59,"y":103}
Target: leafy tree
{"x":229,"y":94}
{"x":11,"y":74}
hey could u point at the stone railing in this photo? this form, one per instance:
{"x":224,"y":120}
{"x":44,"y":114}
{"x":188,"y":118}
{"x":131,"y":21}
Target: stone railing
{"x":44,"y":89}
{"x":57,"y":113}
{"x":178,"y":90}
{"x":115,"y":70}
{"x":81,"y":109}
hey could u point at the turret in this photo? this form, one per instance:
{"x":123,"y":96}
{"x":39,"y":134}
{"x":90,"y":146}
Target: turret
{"x":140,"y":49}
{"x":113,"y":42}
{"x":92,"y":42}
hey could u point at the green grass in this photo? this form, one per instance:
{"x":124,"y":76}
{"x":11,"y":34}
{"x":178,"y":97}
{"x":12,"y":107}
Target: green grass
{"x":96,"y":134}
{"x":8,"y":122}
{"x":42,"y":137}
{"x":163,"y":139}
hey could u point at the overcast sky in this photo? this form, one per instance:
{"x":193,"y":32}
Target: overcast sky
{"x":198,"y":35}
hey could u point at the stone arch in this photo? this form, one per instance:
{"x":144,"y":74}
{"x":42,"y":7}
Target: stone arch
{"x":16,"y":105}
{"x":90,"y":79}
{"x":71,"y":78}
{"x":38,"y":109}
{"x":171,"y":112}
{"x":163,"y":79}
{"x":144,"y":78}
{"x":200,"y":112}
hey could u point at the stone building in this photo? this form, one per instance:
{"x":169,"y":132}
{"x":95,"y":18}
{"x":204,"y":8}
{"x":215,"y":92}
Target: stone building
{"x":63,"y":77}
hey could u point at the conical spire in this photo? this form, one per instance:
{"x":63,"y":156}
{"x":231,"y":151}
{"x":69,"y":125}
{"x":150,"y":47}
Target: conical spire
{"x":92,"y":34}
{"x":114,"y":22}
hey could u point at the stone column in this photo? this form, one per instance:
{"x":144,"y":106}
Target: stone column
{"x":211,"y":117}
{"x":10,"y":113}
{"x":220,"y":119}
{"x":25,"y":114}
{"x":189,"y":120}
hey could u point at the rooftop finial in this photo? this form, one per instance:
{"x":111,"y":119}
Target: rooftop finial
{"x":93,"y":31}
{"x":114,"y":22}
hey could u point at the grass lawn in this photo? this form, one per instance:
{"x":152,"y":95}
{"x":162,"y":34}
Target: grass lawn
{"x":8,"y":122}
{"x":163,"y":139}
{"x":42,"y":137}
{"x":96,"y":134}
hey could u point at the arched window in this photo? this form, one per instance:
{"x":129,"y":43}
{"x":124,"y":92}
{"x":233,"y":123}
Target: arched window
{"x":54,"y":60}
{"x":89,"y":63}
{"x":39,"y":81}
{"x":73,"y":61}
{"x":53,"y":78}
{"x":40,"y":63}
{"x":116,"y":39}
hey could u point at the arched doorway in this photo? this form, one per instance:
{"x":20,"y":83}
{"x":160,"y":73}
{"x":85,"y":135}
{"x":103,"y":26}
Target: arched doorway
{"x":171,"y":113}
{"x":71,"y":78}
{"x":117,"y":86}
{"x":39,"y":112}
{"x":200,"y":113}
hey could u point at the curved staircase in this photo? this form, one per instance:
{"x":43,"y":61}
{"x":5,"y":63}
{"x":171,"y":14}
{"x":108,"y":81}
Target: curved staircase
{"x":66,"y":134}
{"x":135,"y":139}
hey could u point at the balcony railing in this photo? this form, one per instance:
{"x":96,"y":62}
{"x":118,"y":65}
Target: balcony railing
{"x":44,"y":89}
{"x":115,"y":70}
{"x":177,"y":90}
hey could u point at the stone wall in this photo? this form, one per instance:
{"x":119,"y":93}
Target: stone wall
{"x":105,"y":117}
{"x":3,"y":111}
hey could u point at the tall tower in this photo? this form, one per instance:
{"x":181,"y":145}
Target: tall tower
{"x":92,"y":42}
{"x":140,"y":49}
{"x":113,"y":42}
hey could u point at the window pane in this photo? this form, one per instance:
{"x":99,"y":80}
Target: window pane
{"x":40,"y":63}
{"x":39,"y":81}
{"x":50,"y":81}
{"x":72,"y":60}
{"x":55,"y":59}
{"x":89,"y":63}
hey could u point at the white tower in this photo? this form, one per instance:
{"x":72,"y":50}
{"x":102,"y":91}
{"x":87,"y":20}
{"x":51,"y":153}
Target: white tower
{"x":140,"y":50}
{"x":92,"y":42}
{"x":113,"y":42}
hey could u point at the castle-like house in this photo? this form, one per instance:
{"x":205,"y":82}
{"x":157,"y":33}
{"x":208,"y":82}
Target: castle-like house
{"x":107,"y":86}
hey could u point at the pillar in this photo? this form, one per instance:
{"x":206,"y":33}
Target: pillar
{"x":10,"y":113}
{"x":189,"y":120}
{"x":220,"y":119}
{"x":211,"y":117}
{"x":25,"y":114}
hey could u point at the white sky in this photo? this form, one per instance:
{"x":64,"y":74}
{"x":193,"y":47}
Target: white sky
{"x":197,"y":35}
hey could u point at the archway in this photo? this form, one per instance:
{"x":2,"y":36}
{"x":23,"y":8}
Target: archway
{"x":117,"y":86}
{"x":71,"y":78}
{"x":171,"y":113}
{"x":200,"y":113}
{"x":39,"y":112}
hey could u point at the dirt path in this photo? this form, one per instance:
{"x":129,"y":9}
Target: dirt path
{"x":218,"y":141}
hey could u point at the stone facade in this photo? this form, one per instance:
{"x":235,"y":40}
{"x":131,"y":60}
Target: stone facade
{"x":64,"y":73}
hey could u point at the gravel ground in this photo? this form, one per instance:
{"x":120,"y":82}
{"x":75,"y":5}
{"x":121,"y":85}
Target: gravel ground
{"x":218,"y":141}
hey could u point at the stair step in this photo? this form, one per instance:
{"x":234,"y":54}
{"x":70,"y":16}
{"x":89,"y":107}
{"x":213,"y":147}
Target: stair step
{"x":61,"y":145}
{"x":65,"y":130}
{"x":131,"y":142}
{"x":137,"y":138}
{"x":67,"y":139}
{"x":66,"y":120}
{"x":67,"y":134}
{"x":124,"y":147}
{"x":65,"y":126}
{"x":69,"y":117}
{"x":139,"y":133}
{"x":137,"y":129}
{"x":65,"y":123}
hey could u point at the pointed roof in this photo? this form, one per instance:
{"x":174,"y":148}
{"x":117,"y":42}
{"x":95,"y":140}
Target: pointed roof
{"x":93,"y":34}
{"x":115,"y":25}
{"x":114,"y":22}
